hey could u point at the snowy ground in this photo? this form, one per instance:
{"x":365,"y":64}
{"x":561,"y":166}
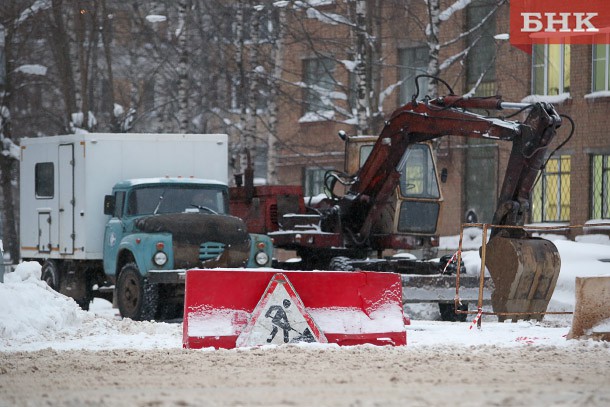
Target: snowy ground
{"x":53,"y":353}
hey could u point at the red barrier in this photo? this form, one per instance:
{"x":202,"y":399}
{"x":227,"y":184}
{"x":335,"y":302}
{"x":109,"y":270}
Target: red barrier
{"x":241,"y":307}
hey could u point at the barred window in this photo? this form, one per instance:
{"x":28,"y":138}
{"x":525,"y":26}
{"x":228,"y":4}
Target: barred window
{"x":551,"y":195}
{"x":600,"y":187}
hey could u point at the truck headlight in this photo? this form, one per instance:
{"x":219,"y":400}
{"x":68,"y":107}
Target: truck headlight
{"x":160,"y":258}
{"x":261,"y":258}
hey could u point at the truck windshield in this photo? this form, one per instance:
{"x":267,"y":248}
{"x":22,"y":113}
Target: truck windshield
{"x":160,"y":199}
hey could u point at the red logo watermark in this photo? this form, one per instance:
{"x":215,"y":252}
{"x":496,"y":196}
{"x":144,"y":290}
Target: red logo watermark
{"x":559,"y":22}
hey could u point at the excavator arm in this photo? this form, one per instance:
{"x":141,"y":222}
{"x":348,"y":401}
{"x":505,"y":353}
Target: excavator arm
{"x":446,"y":117}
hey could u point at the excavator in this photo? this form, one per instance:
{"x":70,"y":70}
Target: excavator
{"x":389,"y":198}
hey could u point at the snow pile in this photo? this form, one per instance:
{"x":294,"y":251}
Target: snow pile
{"x":40,"y":310}
{"x":35,"y":316}
{"x":472,"y":240}
{"x":577,"y":260}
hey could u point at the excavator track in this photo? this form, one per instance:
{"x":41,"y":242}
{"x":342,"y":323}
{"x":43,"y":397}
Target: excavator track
{"x":524,"y":272}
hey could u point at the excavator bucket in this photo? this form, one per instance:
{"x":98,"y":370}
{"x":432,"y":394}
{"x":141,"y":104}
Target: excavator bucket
{"x":243,"y":308}
{"x":591,"y":314}
{"x":524,"y":273}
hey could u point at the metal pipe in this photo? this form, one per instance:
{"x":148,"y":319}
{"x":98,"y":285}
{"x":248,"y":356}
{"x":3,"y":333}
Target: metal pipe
{"x":482,"y":275}
{"x":514,"y":105}
{"x":459,"y":268}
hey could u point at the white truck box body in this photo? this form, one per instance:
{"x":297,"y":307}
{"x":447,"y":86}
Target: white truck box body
{"x":67,"y":221}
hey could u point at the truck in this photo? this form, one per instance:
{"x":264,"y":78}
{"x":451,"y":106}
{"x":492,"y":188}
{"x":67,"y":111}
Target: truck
{"x":388,"y":198}
{"x":122,"y":216}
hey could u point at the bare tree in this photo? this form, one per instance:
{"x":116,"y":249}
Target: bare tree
{"x":10,"y":44}
{"x":437,"y":42}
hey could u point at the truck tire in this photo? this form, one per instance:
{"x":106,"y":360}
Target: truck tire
{"x":50,"y":274}
{"x":137,"y":299}
{"x":340,"y":263}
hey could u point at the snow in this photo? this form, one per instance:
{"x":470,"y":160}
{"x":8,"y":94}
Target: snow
{"x":39,"y":5}
{"x":326,"y":18}
{"x":34,"y":69}
{"x":349,"y":65}
{"x":449,"y":11}
{"x":118,"y":110}
{"x":562,"y":97}
{"x":321,"y":115}
{"x":154,"y":18}
{"x":34,"y":317}
{"x":599,"y":94}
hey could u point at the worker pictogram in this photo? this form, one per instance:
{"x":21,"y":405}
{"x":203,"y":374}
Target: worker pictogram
{"x":280,"y":317}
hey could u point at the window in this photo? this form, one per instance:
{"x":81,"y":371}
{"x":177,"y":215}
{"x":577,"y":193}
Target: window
{"x":314,"y":181}
{"x":44,"y":180}
{"x":119,"y":201}
{"x":365,"y":152}
{"x":480,"y":61}
{"x":418,"y":175}
{"x":412,"y":62}
{"x":319,"y":82}
{"x":601,"y":67}
{"x":600,"y":187}
{"x":155,"y":199}
{"x":551,"y":197}
{"x":551,"y":69}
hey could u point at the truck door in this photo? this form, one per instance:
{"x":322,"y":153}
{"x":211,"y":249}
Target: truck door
{"x":114,"y":234}
{"x":44,"y":232}
{"x":418,"y":192}
{"x":66,"y":198}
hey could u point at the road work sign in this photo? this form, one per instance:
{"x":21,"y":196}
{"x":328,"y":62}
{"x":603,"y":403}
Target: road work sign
{"x":280,"y":317}
{"x":228,"y":308}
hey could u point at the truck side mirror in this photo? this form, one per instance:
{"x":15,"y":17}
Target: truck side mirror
{"x":444,"y":174}
{"x":109,"y":203}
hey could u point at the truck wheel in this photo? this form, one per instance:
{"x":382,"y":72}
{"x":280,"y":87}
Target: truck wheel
{"x":136,"y":298}
{"x":448,"y":312}
{"x":50,"y":274}
{"x":340,"y":263}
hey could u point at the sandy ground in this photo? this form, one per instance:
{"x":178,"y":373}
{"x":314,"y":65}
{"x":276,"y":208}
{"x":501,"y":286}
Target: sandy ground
{"x":310,"y":376}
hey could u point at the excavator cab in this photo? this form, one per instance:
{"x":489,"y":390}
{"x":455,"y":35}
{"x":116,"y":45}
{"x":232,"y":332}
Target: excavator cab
{"x":410,"y":221}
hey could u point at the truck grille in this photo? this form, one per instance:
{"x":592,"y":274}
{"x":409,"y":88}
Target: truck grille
{"x":210,"y":250}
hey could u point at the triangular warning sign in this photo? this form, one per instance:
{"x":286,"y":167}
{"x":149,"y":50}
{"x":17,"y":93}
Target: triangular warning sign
{"x":280,"y":317}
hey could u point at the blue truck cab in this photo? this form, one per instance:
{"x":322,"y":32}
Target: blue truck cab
{"x":161,"y":227}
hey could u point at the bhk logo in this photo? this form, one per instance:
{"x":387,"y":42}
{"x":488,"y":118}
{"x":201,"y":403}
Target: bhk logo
{"x":559,"y":22}
{"x":562,"y":22}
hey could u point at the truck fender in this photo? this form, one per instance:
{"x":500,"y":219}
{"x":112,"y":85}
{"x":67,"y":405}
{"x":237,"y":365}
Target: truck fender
{"x":141,"y":248}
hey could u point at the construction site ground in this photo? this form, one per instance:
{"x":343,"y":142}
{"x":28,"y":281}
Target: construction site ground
{"x":309,"y":376}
